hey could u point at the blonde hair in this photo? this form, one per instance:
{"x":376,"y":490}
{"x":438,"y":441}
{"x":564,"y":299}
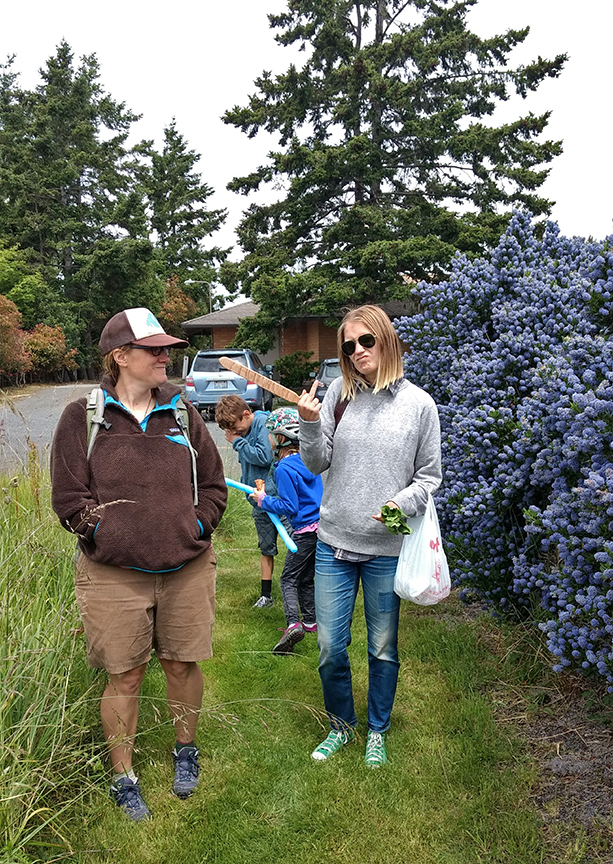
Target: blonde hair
{"x":390,"y":351}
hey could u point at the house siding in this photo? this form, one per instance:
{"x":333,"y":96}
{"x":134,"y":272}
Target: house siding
{"x":222,"y":336}
{"x":309,"y":334}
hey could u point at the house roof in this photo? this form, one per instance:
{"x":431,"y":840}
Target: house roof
{"x":227,"y":317}
{"x":231,"y":315}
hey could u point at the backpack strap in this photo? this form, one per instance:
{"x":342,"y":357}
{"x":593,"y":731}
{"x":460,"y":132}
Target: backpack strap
{"x":339,"y":410}
{"x":182,"y":417}
{"x":95,"y":417}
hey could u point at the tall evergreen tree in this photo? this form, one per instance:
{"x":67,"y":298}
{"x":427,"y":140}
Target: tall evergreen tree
{"x":70,"y":195}
{"x":178,"y":201}
{"x":386,"y":158}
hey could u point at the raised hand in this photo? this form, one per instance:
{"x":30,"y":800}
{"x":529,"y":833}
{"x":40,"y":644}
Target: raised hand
{"x":309,"y":405}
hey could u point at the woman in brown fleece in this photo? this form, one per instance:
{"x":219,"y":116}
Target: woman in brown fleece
{"x":145,"y":575}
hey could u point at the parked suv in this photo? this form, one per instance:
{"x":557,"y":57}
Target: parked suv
{"x":208,"y":381}
{"x":328,"y":371}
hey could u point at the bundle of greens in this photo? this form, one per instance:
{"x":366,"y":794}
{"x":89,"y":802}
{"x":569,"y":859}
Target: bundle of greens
{"x":394,"y":520}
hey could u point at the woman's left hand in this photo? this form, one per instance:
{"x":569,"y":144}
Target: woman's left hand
{"x":391,"y":504}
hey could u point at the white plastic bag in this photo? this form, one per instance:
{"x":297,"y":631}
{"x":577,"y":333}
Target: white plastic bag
{"x":422,"y":574}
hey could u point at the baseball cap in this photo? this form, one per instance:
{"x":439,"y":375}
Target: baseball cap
{"x":139,"y":327}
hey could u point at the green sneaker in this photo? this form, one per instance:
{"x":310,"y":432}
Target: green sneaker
{"x":335,"y":740}
{"x":375,"y":749}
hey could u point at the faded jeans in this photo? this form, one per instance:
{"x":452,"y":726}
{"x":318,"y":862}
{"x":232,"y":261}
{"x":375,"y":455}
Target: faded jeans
{"x":336,"y":588}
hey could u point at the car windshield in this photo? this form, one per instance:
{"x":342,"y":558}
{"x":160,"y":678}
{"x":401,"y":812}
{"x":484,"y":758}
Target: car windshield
{"x":207,"y":364}
{"x":210,"y":362}
{"x":331,"y":370}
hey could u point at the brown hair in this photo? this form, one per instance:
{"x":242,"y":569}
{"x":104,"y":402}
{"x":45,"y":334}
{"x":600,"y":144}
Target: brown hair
{"x":111,"y":366}
{"x":288,"y":448}
{"x":228,"y":410}
{"x":390,"y":351}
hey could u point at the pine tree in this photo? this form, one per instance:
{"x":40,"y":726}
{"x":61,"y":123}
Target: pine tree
{"x":387,"y":160}
{"x":71,"y":199}
{"x":180,"y":219}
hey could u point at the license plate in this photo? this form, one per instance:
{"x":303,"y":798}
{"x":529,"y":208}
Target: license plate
{"x":221,"y":385}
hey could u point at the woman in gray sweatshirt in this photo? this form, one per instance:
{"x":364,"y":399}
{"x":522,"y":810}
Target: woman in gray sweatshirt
{"x":378,"y":436}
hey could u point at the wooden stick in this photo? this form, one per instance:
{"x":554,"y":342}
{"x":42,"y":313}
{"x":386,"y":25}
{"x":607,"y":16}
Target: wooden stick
{"x":264,"y":382}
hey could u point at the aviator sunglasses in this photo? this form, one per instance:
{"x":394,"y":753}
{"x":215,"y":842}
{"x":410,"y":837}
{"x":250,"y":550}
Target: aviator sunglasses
{"x":163,"y":349}
{"x":366,"y":340}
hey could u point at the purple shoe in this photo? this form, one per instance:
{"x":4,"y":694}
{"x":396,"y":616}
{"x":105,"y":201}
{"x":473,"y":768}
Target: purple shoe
{"x":309,"y":628}
{"x":294,"y":633}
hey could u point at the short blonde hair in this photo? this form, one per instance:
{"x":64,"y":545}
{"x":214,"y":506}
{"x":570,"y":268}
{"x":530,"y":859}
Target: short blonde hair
{"x":390,"y":350}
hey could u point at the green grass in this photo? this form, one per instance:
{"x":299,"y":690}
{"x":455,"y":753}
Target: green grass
{"x":456,"y":790}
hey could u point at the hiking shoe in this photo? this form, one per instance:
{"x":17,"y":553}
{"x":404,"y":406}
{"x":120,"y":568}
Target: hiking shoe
{"x":309,"y":628}
{"x":186,"y":771}
{"x":375,"y":750}
{"x":294,"y":633}
{"x":128,"y":798}
{"x":263,"y":603}
{"x":335,"y":740}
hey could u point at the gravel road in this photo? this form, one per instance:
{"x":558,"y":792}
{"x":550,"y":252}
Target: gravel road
{"x":32,"y":414}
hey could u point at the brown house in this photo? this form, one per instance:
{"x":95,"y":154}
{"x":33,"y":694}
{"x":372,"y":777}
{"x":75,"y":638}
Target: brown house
{"x":309,"y":333}
{"x":298,"y":334}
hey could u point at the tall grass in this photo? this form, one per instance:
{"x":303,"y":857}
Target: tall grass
{"x":45,"y":744}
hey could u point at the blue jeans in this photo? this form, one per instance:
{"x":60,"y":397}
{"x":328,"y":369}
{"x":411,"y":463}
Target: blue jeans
{"x":336,"y":587}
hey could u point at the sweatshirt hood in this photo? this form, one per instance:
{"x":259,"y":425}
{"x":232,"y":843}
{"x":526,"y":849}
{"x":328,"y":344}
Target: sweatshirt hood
{"x":298,"y":466}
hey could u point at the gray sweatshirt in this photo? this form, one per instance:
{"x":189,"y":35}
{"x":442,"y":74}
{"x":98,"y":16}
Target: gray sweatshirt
{"x":387,"y":447}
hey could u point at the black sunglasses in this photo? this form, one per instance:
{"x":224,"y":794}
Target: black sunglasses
{"x":366,"y":340}
{"x":156,"y":351}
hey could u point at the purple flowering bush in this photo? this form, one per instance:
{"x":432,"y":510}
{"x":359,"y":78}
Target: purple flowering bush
{"x":517,"y":351}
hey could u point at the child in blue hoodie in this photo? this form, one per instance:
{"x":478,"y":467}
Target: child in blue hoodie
{"x":299,"y":496}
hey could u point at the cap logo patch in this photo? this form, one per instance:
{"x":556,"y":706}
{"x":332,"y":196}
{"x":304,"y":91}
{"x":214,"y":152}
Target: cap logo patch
{"x":143,"y":323}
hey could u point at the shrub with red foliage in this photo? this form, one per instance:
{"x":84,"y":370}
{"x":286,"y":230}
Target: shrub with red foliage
{"x":46,"y":347}
{"x":14,"y":358}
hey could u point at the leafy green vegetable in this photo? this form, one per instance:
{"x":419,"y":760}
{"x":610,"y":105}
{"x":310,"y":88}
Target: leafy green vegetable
{"x":395,"y":520}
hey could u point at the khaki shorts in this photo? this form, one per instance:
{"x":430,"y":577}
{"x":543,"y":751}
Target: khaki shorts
{"x":127,"y":613}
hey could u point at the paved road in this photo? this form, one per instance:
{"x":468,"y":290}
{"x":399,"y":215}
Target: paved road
{"x":32,"y":414}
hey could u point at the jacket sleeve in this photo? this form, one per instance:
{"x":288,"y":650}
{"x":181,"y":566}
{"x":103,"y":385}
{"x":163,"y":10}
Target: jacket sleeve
{"x":255,"y":447}
{"x":212,"y":489}
{"x":286,"y":504}
{"x":71,"y":496}
{"x":317,"y":436}
{"x":427,"y":474}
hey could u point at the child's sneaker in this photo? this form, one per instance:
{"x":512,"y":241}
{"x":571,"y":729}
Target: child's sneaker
{"x":335,"y":740}
{"x":128,"y":798}
{"x":263,"y":602}
{"x":294,"y":633}
{"x":186,"y":771}
{"x":375,"y":749}
{"x":309,"y":628}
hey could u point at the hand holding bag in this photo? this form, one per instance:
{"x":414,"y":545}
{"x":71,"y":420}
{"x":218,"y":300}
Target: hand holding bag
{"x":422,"y":574}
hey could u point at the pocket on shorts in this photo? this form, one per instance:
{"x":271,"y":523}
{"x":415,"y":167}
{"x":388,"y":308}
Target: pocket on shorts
{"x":82,"y":582}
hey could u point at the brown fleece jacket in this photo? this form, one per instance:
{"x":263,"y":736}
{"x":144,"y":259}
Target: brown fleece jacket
{"x":132,"y":504}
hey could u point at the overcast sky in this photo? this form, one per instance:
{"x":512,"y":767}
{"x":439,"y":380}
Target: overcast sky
{"x":193,"y":60}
